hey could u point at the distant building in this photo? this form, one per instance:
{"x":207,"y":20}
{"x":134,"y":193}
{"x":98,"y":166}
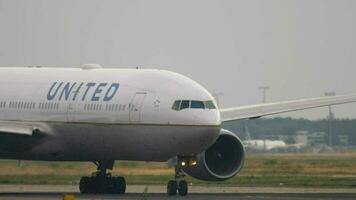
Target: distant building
{"x":301,"y":137}
{"x":343,"y":140}
{"x":317,"y":139}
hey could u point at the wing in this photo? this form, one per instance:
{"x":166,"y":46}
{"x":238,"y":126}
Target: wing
{"x":17,"y":130}
{"x":259,"y":110}
{"x":18,"y":136}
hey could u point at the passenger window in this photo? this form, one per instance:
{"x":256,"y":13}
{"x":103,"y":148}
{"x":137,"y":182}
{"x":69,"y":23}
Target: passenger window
{"x":176,"y":105}
{"x":184,"y":104}
{"x":210,"y":105}
{"x":197,"y":105}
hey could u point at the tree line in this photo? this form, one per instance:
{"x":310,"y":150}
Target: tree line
{"x":274,"y":128}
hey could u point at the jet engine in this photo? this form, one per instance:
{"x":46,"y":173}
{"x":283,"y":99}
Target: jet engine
{"x":221,"y":161}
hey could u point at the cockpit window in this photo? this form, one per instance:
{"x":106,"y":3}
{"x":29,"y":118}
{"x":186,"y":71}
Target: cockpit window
{"x":209,"y":105}
{"x":184,"y":104}
{"x":197,"y":105}
{"x":176,"y":105}
{"x":193,"y":104}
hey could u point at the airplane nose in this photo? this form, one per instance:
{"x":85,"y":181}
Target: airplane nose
{"x":209,"y":118}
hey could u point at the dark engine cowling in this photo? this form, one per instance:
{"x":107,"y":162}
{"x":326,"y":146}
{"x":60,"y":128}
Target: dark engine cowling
{"x":223,"y":160}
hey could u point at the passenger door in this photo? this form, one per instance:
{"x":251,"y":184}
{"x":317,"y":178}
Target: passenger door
{"x":136,"y":107}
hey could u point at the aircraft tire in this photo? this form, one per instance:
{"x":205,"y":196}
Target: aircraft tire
{"x":111,"y":185}
{"x":183,"y":188}
{"x":84,"y":185}
{"x":120,"y":185}
{"x":171,"y":188}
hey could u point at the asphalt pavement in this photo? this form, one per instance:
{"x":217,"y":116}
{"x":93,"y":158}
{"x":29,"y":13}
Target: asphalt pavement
{"x":56,"y":192}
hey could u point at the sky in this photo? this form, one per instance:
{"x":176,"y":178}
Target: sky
{"x":299,"y":48}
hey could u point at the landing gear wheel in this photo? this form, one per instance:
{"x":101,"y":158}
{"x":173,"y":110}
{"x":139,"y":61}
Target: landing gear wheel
{"x":84,"y":185}
{"x":102,"y":182}
{"x":183,"y":188}
{"x":114,"y":185}
{"x":120,"y":185}
{"x":172,"y":188}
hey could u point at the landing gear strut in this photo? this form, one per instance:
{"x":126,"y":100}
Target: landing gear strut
{"x":102,"y":182}
{"x":179,"y":184}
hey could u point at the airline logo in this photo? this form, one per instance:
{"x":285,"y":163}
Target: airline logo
{"x":82,"y":91}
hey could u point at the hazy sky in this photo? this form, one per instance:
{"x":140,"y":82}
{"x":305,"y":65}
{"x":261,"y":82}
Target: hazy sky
{"x":298,"y":48}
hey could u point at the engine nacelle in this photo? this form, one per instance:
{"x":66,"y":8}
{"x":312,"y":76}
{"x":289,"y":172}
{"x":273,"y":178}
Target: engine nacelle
{"x":223,"y":160}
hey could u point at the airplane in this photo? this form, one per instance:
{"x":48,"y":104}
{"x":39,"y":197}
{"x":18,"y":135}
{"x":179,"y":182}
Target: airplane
{"x":101,"y":115}
{"x":271,"y":145}
{"x":267,"y":144}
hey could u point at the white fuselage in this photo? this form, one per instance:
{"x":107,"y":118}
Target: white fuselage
{"x":99,"y":114}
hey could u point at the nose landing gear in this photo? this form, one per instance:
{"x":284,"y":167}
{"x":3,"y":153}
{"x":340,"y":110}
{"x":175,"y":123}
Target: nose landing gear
{"x":179,"y":184}
{"x":102,"y":182}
